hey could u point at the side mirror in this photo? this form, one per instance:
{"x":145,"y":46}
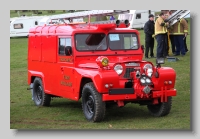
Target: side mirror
{"x":68,"y":50}
{"x":160,"y":61}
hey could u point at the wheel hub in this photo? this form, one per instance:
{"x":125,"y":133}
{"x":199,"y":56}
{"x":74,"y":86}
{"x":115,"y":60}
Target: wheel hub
{"x":90,"y":105}
{"x":39,"y":94}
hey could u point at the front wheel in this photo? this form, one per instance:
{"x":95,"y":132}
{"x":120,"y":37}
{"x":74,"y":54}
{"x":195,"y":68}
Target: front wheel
{"x":92,"y":104}
{"x":160,"y":109}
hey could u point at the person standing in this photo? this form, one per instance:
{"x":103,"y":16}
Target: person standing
{"x":171,"y":36}
{"x":112,"y":17}
{"x":149,"y":40}
{"x":172,"y":42}
{"x":186,"y":49}
{"x":161,"y":36}
{"x":180,"y":31}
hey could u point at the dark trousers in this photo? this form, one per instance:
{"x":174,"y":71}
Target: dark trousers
{"x":161,"y":45}
{"x":172,"y":43}
{"x":149,"y":45}
{"x":186,"y":49}
{"x":167,"y":46}
{"x":180,"y":46}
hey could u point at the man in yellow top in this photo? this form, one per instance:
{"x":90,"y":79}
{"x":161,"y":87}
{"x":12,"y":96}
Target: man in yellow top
{"x":180,"y":31}
{"x":171,"y":36}
{"x":161,"y":36}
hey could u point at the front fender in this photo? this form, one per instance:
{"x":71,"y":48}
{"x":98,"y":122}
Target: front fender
{"x":100,"y":77}
{"x":164,"y":74}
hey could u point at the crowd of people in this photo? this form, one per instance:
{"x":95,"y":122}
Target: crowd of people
{"x":165,"y":36}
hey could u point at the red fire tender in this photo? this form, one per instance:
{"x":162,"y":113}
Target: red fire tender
{"x":98,"y":63}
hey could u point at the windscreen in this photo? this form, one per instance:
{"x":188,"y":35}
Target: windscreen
{"x":101,"y":42}
{"x":93,"y":41}
{"x":123,"y":41}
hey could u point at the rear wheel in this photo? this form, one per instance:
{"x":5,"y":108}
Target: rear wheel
{"x":92,"y":104}
{"x":160,"y":109}
{"x":40,"y":98}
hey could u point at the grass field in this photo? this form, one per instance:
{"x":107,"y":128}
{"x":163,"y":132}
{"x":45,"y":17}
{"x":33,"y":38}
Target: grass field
{"x":67,"y":114}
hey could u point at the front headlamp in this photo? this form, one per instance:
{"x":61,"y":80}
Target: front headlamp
{"x":145,"y":80}
{"x":118,"y":68}
{"x":148,"y":80}
{"x":149,"y":72}
{"x":142,"y":80}
{"x":147,"y":66}
{"x":148,"y":69}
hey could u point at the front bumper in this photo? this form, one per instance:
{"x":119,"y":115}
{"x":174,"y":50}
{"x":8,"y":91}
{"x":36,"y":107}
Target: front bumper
{"x":161,"y":94}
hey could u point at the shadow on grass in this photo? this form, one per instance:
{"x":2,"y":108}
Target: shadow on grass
{"x":129,"y":111}
{"x":114,"y":113}
{"x":64,"y":103}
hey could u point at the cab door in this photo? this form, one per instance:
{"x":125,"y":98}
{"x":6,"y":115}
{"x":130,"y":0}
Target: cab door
{"x":65,"y":67}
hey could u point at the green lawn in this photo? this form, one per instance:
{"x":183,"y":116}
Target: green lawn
{"x":67,"y":114}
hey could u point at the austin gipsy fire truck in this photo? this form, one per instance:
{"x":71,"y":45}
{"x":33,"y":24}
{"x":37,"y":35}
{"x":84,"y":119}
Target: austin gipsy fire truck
{"x":98,"y":63}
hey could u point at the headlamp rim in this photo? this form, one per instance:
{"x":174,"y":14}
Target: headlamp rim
{"x":118,"y":69}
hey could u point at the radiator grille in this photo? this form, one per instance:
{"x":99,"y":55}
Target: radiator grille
{"x":127,"y":72}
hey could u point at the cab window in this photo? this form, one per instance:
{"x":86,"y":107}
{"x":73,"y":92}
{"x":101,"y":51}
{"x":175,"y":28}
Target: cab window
{"x":63,"y":44}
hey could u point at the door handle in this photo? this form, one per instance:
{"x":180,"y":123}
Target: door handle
{"x":62,"y":69}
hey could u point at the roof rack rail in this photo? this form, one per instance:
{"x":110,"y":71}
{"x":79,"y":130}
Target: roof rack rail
{"x":88,"y":14}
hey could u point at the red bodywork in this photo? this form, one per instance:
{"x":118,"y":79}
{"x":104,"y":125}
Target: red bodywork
{"x":65,"y":76}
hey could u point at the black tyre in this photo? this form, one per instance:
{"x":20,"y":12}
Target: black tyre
{"x":92,"y":104}
{"x":160,"y":109}
{"x":40,"y":98}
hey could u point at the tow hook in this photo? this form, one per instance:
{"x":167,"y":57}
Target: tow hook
{"x":120,"y":103}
